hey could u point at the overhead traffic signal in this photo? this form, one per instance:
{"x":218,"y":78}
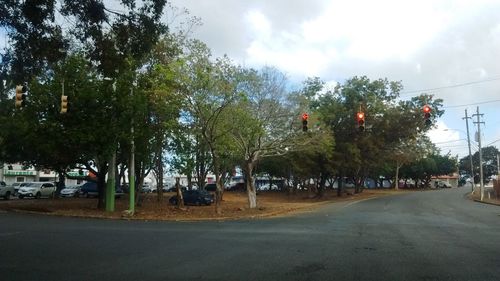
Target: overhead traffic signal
{"x":20,"y":96}
{"x":64,"y":104}
{"x":360,"y":117}
{"x":427,"y":115}
{"x":305,"y":116}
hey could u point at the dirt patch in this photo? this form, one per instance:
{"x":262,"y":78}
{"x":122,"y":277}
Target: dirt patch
{"x":234,"y":205}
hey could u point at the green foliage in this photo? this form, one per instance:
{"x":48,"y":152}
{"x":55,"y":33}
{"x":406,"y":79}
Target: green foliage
{"x":489,"y":159}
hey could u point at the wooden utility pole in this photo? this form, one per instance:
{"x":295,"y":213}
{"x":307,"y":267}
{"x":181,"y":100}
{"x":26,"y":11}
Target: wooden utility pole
{"x":481,"y":182}
{"x":470,"y":153}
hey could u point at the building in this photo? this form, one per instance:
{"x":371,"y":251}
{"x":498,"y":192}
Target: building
{"x":11,"y":173}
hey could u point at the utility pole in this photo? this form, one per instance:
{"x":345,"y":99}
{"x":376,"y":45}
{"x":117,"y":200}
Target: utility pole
{"x":470,"y":154}
{"x":498,"y":165}
{"x":481,"y":183}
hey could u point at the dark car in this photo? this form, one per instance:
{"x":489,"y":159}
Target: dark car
{"x":211,"y":187}
{"x":174,"y":189}
{"x":89,"y":189}
{"x":194,"y":197}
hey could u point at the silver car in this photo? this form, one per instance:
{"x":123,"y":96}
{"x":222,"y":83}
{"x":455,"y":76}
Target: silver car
{"x":71,"y":191}
{"x":37,"y":190}
{"x":6,"y":190}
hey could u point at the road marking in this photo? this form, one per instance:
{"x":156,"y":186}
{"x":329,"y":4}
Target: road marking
{"x":355,"y":202}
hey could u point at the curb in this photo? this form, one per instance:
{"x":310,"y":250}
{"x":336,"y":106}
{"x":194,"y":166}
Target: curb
{"x":485,"y":202}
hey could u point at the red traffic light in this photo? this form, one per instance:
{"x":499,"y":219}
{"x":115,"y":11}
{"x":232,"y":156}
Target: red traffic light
{"x":305,"y":116}
{"x":360,"y":116}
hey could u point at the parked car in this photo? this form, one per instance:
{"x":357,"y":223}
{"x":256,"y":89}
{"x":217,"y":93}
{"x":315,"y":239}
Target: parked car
{"x":240,"y":186}
{"x":211,"y":187}
{"x":18,"y":185}
{"x":174,"y":189}
{"x":194,"y":197}
{"x":37,"y":190}
{"x":71,"y":191}
{"x":268,"y":186}
{"x":6,"y":190}
{"x":146,"y":188}
{"x":442,"y":184}
{"x":89,"y":189}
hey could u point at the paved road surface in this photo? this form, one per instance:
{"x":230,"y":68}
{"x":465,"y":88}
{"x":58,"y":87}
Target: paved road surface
{"x":434,"y":235}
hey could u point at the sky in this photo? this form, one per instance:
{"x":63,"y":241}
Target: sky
{"x":450,"y":47}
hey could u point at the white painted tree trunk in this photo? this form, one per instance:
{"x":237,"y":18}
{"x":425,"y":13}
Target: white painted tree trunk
{"x":251,"y":192}
{"x":396,"y":184}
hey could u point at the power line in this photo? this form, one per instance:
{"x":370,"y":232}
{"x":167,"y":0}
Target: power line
{"x":449,"y":141}
{"x":476,"y":103}
{"x":451,"y":86}
{"x":493,"y":142}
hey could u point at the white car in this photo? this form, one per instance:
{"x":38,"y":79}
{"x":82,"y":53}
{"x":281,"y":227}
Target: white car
{"x":268,"y":186}
{"x":37,"y":190}
{"x":71,"y":191}
{"x":146,"y":188}
{"x":5,"y":190}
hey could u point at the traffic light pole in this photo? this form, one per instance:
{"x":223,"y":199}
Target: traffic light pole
{"x":470,"y":153}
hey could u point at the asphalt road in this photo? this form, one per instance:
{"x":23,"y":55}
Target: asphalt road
{"x":433,"y":235}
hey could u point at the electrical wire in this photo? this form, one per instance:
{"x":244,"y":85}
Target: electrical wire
{"x":476,"y":103}
{"x":494,"y":78}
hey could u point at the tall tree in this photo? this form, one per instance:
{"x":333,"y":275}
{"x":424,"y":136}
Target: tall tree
{"x":266,"y":122}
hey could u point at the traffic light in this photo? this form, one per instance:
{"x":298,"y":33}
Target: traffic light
{"x":20,"y":96}
{"x":360,"y":117}
{"x":305,"y":116}
{"x":427,"y":115}
{"x":64,"y":104}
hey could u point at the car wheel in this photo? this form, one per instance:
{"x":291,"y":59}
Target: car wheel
{"x":38,"y":195}
{"x":21,"y":196}
{"x":7,"y":195}
{"x":198,"y":203}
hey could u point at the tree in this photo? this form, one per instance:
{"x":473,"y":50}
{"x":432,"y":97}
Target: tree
{"x":489,"y":162}
{"x":210,"y":89}
{"x":432,"y":165}
{"x":266,"y":122}
{"x":116,"y":44}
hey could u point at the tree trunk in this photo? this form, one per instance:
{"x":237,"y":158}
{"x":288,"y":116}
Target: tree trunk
{"x":190,"y":181}
{"x":159,"y":180}
{"x":60,"y":184}
{"x":180,"y":199}
{"x":396,"y":184}
{"x":251,"y":191}
{"x":218,"y":192}
{"x":101,"y":184}
{"x":111,"y":184}
{"x":340,"y":185}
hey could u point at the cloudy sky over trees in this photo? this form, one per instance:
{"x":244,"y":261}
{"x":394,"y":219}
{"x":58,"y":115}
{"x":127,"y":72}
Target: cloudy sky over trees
{"x":425,"y":44}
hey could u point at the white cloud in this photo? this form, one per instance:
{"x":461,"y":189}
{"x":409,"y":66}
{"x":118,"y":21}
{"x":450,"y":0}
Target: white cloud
{"x":425,"y":44}
{"x":451,"y":140}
